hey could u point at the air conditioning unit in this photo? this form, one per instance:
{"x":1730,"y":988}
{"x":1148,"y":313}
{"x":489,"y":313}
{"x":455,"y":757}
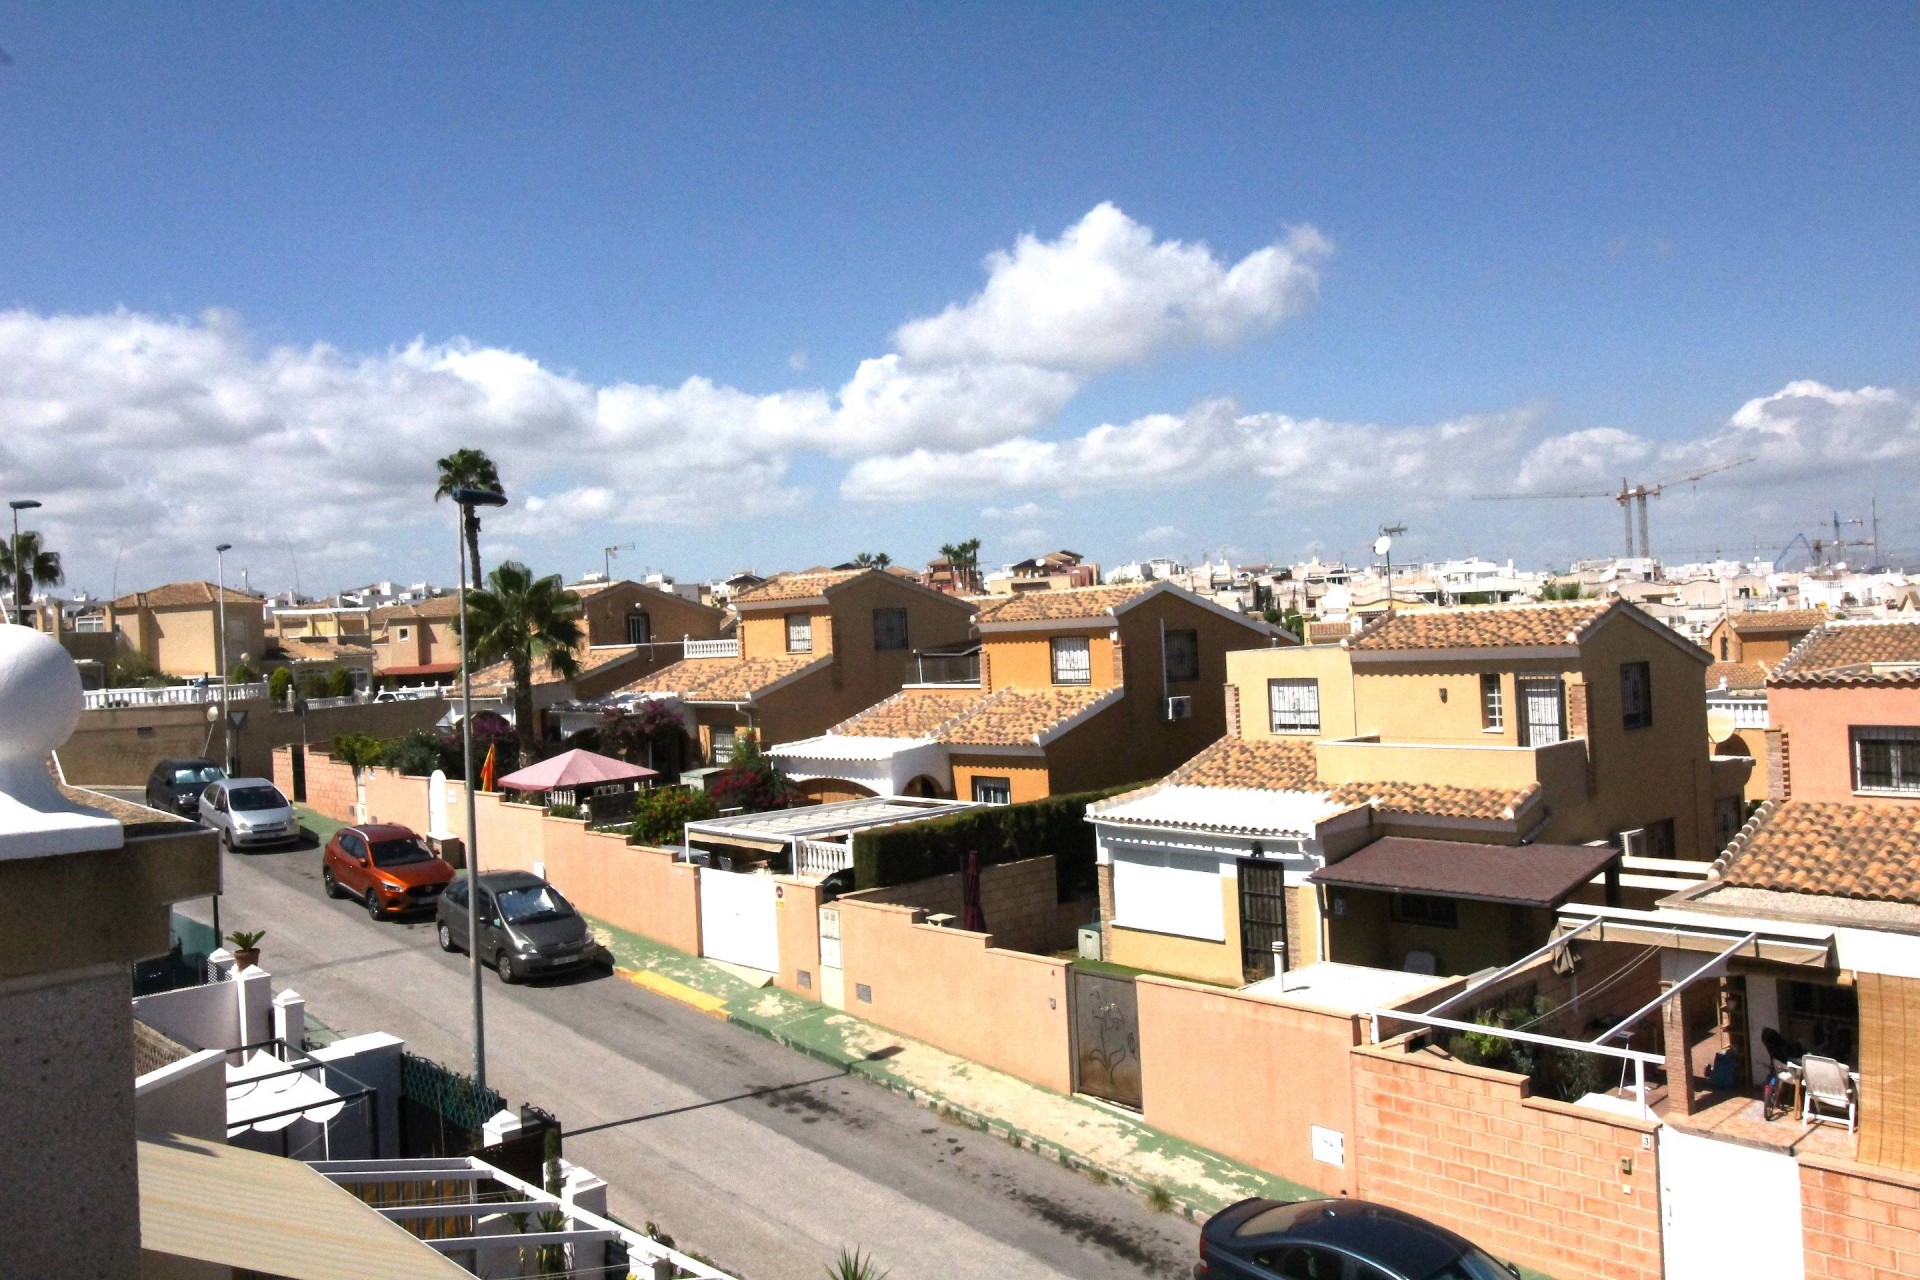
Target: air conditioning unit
{"x":1180,"y":708}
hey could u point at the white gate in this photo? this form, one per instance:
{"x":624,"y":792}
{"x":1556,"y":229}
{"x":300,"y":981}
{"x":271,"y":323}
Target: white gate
{"x":738,"y":915}
{"x":1728,"y":1210}
{"x":832,"y":980}
{"x":1543,"y":701}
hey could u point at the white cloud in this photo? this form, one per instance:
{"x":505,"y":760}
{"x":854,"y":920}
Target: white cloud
{"x":1160,"y":535}
{"x":1106,"y":294}
{"x":1026,"y":511}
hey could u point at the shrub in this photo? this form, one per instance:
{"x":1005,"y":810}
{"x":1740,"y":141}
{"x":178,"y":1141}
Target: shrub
{"x":661,"y":814}
{"x":313,"y":684}
{"x":242,"y":672}
{"x":279,"y":684}
{"x":563,"y":811}
{"x":339,"y":682}
{"x":418,"y":753}
{"x":750,"y":781}
{"x":1002,"y":833}
{"x":129,"y":668}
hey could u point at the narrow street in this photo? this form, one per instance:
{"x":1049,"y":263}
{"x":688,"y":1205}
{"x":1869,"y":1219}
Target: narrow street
{"x":762,"y":1159}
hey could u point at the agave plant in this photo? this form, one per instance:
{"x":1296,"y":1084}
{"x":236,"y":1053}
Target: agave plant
{"x":855,"y":1265}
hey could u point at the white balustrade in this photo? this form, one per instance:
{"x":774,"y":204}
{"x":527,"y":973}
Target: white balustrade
{"x":711,"y":649}
{"x":821,"y":857}
{"x":173,"y":695}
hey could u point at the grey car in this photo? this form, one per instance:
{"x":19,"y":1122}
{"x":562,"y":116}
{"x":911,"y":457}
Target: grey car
{"x":248,"y":813}
{"x":527,"y":929}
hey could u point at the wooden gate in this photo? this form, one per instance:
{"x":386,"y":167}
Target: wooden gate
{"x":1263,"y":915}
{"x":1106,"y":1038}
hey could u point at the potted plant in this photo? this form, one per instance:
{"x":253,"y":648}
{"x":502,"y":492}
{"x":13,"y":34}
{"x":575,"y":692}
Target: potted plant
{"x":246,"y":947}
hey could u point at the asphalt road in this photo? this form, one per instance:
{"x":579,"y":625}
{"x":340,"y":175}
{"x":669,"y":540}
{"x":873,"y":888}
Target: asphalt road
{"x":760,"y":1158}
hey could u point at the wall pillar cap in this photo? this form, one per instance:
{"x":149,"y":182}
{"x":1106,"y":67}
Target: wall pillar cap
{"x":40,"y":704}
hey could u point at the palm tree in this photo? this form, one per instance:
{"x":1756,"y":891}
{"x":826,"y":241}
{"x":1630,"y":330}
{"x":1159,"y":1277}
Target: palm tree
{"x":518,"y":619}
{"x":963,"y":561}
{"x":873,"y":559}
{"x":468,"y":469}
{"x":24,"y":564}
{"x":359,"y":752}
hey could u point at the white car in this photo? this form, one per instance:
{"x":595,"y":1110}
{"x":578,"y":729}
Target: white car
{"x":248,"y":813}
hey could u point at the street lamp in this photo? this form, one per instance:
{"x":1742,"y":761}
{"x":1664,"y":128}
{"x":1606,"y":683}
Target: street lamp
{"x":19,"y":605}
{"x":226,"y":732}
{"x":468,"y":499}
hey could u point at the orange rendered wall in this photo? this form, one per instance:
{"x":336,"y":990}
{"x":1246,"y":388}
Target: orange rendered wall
{"x":1858,"y":1222}
{"x":956,"y":991}
{"x":1024,"y":659}
{"x":1819,"y":749}
{"x":1271,"y":1070}
{"x":797,"y":917}
{"x":1528,"y":1179}
{"x":1026,"y":775}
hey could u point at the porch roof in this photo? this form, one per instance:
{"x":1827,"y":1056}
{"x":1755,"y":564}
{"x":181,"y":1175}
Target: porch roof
{"x":779,"y":826}
{"x":1533,"y":875}
{"x":1233,"y":810}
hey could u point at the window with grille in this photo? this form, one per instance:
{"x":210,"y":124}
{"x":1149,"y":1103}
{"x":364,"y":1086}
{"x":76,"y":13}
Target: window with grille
{"x":639,"y":629}
{"x":889,"y":628}
{"x":1072,"y":660}
{"x":799,"y":633}
{"x":1421,"y":908}
{"x":1636,"y":695}
{"x":723,"y":745}
{"x":1183,"y":656}
{"x":1493,"y":707}
{"x":1886,"y":758}
{"x":1295,"y":705}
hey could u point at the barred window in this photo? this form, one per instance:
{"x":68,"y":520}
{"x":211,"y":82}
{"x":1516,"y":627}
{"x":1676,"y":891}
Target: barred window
{"x":1072,"y":660}
{"x":1886,"y":758}
{"x":1493,"y":708}
{"x":1295,"y":705}
{"x":1636,"y":695}
{"x":799,"y":633}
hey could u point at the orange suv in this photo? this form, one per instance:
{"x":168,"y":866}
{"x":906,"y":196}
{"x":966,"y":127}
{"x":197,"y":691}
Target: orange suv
{"x":386,"y":866}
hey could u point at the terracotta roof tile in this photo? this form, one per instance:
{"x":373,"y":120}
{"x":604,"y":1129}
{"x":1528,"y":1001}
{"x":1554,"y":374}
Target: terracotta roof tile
{"x":1283,"y":764}
{"x":447,"y":606}
{"x":496,"y":676}
{"x":309,"y":649}
{"x":1737,"y":675}
{"x":721,"y":679}
{"x":1840,"y":850}
{"x":1871,"y":652}
{"x":1059,"y":606}
{"x":1490,"y":803}
{"x":1323,"y":632}
{"x":911,"y":713}
{"x":796,"y":586}
{"x":1017,"y":717}
{"x":1776,"y":620}
{"x":1482,"y":627}
{"x":182,"y":593}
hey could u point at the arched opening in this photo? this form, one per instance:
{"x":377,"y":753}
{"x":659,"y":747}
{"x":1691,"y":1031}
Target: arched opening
{"x":1733,"y":745}
{"x":827,"y":790}
{"x":925,"y":788}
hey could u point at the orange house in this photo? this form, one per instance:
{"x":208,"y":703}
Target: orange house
{"x":1759,"y":637}
{"x":1844,"y":715}
{"x":1065,"y":690}
{"x":810,"y":650}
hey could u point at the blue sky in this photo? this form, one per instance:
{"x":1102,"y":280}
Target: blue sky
{"x":1595,"y":235}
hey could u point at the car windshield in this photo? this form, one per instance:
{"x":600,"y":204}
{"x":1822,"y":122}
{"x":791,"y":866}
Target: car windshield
{"x":197,"y":775}
{"x":1471,"y":1265}
{"x":400,"y":852}
{"x":535,"y":902}
{"x":258,"y":798}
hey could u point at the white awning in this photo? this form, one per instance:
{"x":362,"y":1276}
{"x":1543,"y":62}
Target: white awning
{"x":265,"y":1094}
{"x":882,"y":765}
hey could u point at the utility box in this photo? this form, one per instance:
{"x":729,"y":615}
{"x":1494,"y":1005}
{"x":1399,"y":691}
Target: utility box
{"x":697,"y":778}
{"x":1090,"y":942}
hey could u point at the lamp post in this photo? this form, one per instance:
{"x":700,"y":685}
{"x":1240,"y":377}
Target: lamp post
{"x":226,"y":731}
{"x":19,"y":605}
{"x":468,"y":499}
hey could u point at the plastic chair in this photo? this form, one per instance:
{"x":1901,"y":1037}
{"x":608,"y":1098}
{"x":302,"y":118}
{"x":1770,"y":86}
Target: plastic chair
{"x":1827,"y":1087}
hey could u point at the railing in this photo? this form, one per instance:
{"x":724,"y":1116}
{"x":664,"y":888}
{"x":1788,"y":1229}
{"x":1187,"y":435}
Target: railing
{"x":947,"y":668}
{"x":821,"y":857}
{"x":1748,"y":712}
{"x":712,"y":648}
{"x":173,"y":695}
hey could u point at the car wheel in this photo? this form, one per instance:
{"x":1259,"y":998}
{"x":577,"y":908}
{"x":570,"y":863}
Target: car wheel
{"x":328,"y":883}
{"x":503,"y":963}
{"x":226,"y":839}
{"x":446,"y":937}
{"x":373,"y":905}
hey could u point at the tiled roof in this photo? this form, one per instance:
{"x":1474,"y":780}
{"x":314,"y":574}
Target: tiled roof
{"x":447,"y":606}
{"x":1534,"y":875}
{"x":309,"y":649}
{"x":1322,"y":632}
{"x":796,"y":586}
{"x":911,"y":713}
{"x":1849,"y":652}
{"x":1776,"y":620}
{"x":1487,"y":803}
{"x":179,"y":593}
{"x":1840,"y":850}
{"x":1058,"y":606}
{"x":499,"y":675}
{"x":1482,"y":627}
{"x":1737,"y":675}
{"x":720,"y":679}
{"x":1282,"y":764}
{"x":1015,"y":717}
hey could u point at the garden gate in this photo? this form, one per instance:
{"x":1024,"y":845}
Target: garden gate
{"x":1106,"y":1037}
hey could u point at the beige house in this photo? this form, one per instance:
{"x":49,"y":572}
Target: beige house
{"x":176,"y":628}
{"x":1761,"y":637}
{"x":418,"y":642}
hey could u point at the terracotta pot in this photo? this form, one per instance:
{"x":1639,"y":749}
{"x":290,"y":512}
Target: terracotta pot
{"x":246,"y":958}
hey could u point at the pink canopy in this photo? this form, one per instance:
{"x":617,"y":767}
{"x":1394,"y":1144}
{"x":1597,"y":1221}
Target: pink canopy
{"x":572,"y":769}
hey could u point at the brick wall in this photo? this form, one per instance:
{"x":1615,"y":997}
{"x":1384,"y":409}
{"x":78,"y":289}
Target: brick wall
{"x":1020,"y":900}
{"x":1859,"y":1222}
{"x":1536,"y":1181}
{"x":1779,"y":767}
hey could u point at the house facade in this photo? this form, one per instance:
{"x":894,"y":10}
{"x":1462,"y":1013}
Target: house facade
{"x":176,"y":628}
{"x":417,"y":642}
{"x":1063,"y":690}
{"x":1761,"y":637}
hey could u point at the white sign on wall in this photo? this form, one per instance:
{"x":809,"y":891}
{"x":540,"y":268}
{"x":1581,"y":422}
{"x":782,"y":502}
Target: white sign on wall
{"x":1329,"y":1146}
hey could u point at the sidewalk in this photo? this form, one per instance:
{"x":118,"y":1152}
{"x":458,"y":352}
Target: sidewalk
{"x":1106,"y":1142}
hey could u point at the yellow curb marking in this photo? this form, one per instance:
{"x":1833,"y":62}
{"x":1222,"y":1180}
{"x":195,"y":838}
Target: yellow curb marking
{"x":712,"y":1006}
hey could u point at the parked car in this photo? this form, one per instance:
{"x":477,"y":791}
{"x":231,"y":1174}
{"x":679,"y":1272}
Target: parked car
{"x":248,"y":813}
{"x":1336,"y":1240}
{"x":526,"y":927}
{"x":386,"y":866}
{"x":174,"y":786}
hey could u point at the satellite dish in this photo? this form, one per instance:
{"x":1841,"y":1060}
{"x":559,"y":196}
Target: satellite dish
{"x":213,"y":712}
{"x":1721,"y":724}
{"x":1382,"y":545}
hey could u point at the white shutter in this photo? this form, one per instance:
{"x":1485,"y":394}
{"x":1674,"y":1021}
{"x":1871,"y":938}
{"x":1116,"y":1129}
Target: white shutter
{"x":1167,"y":892}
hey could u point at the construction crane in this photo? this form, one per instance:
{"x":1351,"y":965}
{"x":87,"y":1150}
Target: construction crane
{"x":1632,"y":499}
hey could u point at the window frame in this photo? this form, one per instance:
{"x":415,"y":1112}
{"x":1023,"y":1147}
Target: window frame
{"x":1903,"y":757}
{"x":1427,"y":914}
{"x":1001,"y":786}
{"x":645,"y":619}
{"x":714,"y":740}
{"x":1273,"y":712}
{"x":1493,"y":702}
{"x":891,"y":611}
{"x":1633,"y":718}
{"x":1054,"y":650}
{"x":1188,"y":672}
{"x":795,"y":633}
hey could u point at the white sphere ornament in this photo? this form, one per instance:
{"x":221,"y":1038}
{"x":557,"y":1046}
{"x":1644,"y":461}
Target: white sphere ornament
{"x":40,"y":705}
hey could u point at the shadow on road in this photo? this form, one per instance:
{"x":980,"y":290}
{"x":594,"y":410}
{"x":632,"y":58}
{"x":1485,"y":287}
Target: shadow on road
{"x":770,"y":1091}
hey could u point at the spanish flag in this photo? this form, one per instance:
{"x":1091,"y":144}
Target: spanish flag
{"x":486,"y":768}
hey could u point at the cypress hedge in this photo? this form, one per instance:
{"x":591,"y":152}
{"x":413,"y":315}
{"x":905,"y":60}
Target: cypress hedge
{"x":912,"y":851}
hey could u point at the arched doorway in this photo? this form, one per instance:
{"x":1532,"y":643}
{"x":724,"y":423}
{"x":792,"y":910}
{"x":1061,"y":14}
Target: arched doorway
{"x":925,"y":788}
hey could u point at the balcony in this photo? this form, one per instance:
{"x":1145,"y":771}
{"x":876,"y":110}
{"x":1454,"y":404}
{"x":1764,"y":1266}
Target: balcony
{"x":173,"y":695}
{"x":711,"y":649}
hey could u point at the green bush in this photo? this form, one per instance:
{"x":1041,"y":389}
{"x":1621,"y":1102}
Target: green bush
{"x":661,"y":814}
{"x":1002,"y":833}
{"x":313,"y":684}
{"x":339,"y":682}
{"x":563,"y":811}
{"x":242,"y":672}
{"x":417,"y":753}
{"x":279,"y":684}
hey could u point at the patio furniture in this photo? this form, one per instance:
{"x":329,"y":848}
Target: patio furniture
{"x":1827,"y":1088}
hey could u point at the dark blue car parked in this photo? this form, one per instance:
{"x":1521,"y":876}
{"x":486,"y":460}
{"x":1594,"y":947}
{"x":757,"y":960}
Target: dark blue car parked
{"x":1336,"y":1240}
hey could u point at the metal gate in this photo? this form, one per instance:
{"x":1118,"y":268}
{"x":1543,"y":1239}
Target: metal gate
{"x":1106,"y":1038}
{"x":1701,"y":1180}
{"x":832,"y":981}
{"x":1543,"y":701}
{"x":1263,"y":915}
{"x":739,"y":915}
